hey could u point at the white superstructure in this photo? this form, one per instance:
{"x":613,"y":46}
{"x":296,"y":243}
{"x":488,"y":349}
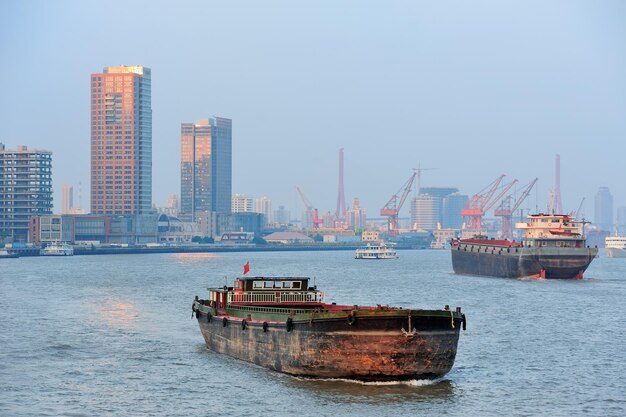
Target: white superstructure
{"x":615,"y":246}
{"x":57,"y":249}
{"x":376,"y":251}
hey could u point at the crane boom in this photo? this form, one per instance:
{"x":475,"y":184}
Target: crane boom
{"x":474,"y":209}
{"x":395,"y":203}
{"x":525,"y":193}
{"x":311,"y":212}
{"x":499,"y":196}
{"x":505,"y":211}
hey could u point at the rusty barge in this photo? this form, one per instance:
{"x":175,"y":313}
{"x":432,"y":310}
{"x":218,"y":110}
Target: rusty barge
{"x":283,"y":324}
{"x":553,"y":246}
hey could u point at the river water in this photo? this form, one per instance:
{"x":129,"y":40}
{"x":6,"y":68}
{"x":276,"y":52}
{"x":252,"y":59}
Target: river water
{"x":113,"y":335}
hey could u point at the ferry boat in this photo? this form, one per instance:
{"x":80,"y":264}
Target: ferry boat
{"x":283,"y":324}
{"x":553,"y":246}
{"x":57,"y":249}
{"x":615,"y":246}
{"x":6,"y":254}
{"x":376,"y":251}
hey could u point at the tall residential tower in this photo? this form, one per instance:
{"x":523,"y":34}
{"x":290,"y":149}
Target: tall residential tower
{"x":206,"y":167}
{"x":121,"y":141}
{"x":25,"y":190}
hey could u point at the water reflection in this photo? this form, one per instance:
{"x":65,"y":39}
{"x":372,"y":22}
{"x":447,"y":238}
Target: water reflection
{"x":191,"y":258}
{"x":118,"y":314}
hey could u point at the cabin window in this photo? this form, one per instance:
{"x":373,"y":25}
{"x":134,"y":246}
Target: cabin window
{"x":286,"y":284}
{"x":296,"y":284}
{"x":268,"y":284}
{"x":258,"y":284}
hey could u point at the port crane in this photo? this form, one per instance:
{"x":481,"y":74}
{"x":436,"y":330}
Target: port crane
{"x":580,"y":206}
{"x":505,"y":210}
{"x":479,"y":204}
{"x":311,"y":213}
{"x":393,"y":206}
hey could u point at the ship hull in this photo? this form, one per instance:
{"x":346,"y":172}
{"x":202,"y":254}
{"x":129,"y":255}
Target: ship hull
{"x":369,"y":347}
{"x":520,"y":262}
{"x":616,"y":252}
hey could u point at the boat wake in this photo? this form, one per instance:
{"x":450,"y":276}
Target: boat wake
{"x":410,"y":383}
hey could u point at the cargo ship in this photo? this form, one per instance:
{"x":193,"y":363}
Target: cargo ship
{"x":553,"y":246}
{"x":283,"y":324}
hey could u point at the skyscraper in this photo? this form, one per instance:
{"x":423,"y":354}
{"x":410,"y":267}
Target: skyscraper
{"x":206,"y":167}
{"x":121,"y":141}
{"x":25,"y":190}
{"x":603,"y":209}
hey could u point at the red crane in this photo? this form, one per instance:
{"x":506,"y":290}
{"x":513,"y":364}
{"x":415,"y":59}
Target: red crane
{"x":393,"y":206}
{"x":505,"y":210}
{"x":479,"y":204}
{"x":311,"y":213}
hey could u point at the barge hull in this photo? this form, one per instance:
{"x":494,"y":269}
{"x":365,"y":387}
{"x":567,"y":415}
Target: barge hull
{"x":369,"y":349}
{"x":521,"y":262}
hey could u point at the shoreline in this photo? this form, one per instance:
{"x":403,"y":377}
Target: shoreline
{"x":209,"y":248}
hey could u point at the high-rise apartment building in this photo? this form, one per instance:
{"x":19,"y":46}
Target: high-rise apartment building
{"x":241,"y":204}
{"x":121,"y":141}
{"x":426,"y":212}
{"x":603,"y":213}
{"x":264,"y":205}
{"x":25,"y":190}
{"x":206,"y":167}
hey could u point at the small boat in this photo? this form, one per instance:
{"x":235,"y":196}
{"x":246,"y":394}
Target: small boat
{"x":57,"y":249}
{"x":283,"y":324}
{"x":615,"y":246}
{"x":376,"y":251}
{"x":6,"y":254}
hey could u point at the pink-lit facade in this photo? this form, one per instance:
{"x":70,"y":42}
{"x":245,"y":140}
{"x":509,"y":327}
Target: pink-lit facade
{"x":121,"y":141}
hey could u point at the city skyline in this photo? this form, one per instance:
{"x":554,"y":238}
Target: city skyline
{"x":505,"y":90}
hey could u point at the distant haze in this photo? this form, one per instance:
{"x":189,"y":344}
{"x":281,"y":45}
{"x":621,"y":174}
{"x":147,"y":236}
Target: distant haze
{"x":473,"y":89}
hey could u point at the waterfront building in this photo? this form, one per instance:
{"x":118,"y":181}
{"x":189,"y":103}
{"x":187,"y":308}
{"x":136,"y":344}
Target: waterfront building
{"x":438,"y":196}
{"x":282,"y":216}
{"x":71,"y":228}
{"x":426,"y":212}
{"x":356,"y":216}
{"x":25,"y":190}
{"x":370,"y":236}
{"x":451,"y":211}
{"x":264,"y":205}
{"x":239,"y":222}
{"x":603,"y":213}
{"x":172,"y":230}
{"x":241,"y":204}
{"x":206,"y":167}
{"x":121,"y":141}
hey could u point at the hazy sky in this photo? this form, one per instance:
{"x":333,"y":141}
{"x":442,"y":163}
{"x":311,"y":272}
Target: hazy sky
{"x":473,"y":89}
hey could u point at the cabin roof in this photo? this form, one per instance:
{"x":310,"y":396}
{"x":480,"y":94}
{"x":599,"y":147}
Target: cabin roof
{"x":271,"y":278}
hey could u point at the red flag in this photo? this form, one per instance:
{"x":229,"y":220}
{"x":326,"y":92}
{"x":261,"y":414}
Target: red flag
{"x":246,"y":268}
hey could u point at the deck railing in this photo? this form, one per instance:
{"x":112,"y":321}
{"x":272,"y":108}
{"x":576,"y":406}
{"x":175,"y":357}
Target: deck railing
{"x":276,"y":297}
